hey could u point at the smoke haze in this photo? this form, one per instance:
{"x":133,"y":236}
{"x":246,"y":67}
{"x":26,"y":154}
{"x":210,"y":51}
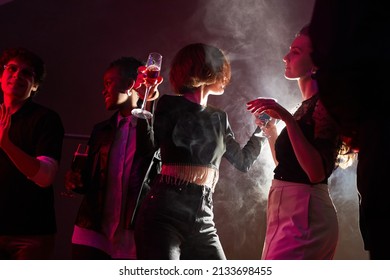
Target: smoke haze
{"x":77,"y":40}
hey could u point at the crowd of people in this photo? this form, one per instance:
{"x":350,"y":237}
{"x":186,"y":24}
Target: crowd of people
{"x":147,"y":186}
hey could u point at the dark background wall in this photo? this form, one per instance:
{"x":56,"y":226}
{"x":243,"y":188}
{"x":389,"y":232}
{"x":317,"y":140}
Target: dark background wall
{"x":77,"y":39}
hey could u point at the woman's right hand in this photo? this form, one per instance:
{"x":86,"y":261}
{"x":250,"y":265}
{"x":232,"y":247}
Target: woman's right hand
{"x":268,"y":127}
{"x":269,"y":106}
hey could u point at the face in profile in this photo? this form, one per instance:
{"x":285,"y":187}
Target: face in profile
{"x":115,"y":89}
{"x":298,"y":60}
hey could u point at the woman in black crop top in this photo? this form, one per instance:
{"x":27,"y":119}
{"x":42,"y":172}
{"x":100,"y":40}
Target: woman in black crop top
{"x":176,"y":218}
{"x":301,"y":218}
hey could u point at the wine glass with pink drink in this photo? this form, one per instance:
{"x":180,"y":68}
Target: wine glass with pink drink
{"x":153,"y":67}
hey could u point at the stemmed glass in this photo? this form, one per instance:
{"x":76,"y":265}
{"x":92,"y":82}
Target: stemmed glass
{"x":78,"y":164}
{"x":153,"y":67}
{"x":80,"y":157}
{"x":265,"y":119}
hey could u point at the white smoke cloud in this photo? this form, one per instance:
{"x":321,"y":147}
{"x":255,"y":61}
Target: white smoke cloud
{"x":256,"y":35}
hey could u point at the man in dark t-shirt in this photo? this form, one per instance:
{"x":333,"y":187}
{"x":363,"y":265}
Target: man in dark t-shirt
{"x":31,"y":137}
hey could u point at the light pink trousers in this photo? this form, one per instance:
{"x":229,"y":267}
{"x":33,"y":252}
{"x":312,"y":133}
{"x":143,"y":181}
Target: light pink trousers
{"x":301,"y":222}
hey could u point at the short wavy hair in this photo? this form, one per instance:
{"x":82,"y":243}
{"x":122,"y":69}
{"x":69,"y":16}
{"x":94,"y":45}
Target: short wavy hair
{"x":196,"y":65}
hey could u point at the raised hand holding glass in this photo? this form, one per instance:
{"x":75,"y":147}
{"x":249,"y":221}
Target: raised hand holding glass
{"x":152,"y":72}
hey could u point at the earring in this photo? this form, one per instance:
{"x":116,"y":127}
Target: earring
{"x":313,"y":74}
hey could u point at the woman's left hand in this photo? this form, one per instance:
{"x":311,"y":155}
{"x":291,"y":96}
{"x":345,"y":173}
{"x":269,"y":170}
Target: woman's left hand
{"x":267,"y":126}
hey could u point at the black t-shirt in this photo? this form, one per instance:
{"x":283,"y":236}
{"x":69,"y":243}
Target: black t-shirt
{"x":26,"y":208}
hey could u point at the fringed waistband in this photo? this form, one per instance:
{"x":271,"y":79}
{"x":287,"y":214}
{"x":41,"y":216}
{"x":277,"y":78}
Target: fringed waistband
{"x":184,"y":174}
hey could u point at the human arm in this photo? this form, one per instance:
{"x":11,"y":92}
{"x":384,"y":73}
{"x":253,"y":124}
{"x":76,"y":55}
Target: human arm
{"x":307,"y":154}
{"x":142,"y":80}
{"x":41,"y":169}
{"x":242,"y":158}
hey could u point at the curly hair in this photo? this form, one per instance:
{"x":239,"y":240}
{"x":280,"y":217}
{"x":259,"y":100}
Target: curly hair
{"x":28,"y":57}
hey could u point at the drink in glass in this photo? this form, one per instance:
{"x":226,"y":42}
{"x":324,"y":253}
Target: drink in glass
{"x":153,"y":67}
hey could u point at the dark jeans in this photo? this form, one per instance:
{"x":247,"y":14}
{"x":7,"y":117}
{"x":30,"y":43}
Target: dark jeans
{"x":176,"y":222}
{"x":26,"y":247}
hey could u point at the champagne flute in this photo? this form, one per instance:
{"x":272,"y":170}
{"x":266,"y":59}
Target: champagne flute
{"x":153,"y":67}
{"x":78,"y":164}
{"x":80,"y":157}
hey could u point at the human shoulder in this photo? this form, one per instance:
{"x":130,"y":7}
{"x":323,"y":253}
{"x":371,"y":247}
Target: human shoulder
{"x":107,"y":123}
{"x":170,"y":98}
{"x":170,"y":102}
{"x":32,"y":105}
{"x":320,"y":110}
{"x":213,"y":108}
{"x":42,"y":112}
